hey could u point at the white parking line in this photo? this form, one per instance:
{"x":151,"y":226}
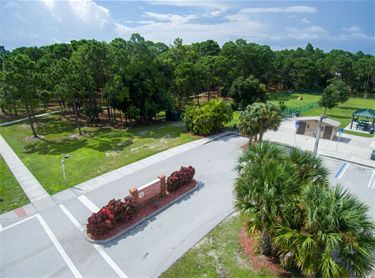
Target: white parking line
{"x":59,"y":248}
{"x":98,"y":248}
{"x":90,"y":205}
{"x":369,"y":184}
{"x":19,"y":222}
{"x":343,"y":171}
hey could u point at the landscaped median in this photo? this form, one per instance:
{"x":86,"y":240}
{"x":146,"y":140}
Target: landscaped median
{"x":117,"y":218}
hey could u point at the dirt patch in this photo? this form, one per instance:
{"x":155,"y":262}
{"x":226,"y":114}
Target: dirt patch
{"x":146,"y":211}
{"x":258,"y":261}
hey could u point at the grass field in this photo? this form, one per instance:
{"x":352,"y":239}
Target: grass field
{"x":11,"y":193}
{"x":99,"y":151}
{"x":292,"y":100}
{"x":218,"y":254}
{"x":343,"y":113}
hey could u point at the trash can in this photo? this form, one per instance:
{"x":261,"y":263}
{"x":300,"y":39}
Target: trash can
{"x":371,"y":131}
{"x":373,"y":155}
{"x":297,"y":114}
{"x":356,"y":119}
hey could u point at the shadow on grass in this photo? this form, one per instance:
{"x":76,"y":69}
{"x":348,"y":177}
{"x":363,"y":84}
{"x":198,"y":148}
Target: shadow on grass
{"x":101,"y":139}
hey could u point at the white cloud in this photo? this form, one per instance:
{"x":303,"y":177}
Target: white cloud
{"x":305,"y":20}
{"x":313,"y":32}
{"x":353,"y":29}
{"x":45,"y":22}
{"x":221,"y":5}
{"x":146,"y":22}
{"x":295,"y":9}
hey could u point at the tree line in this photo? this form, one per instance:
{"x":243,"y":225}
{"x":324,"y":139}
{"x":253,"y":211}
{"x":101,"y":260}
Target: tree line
{"x":139,"y":78}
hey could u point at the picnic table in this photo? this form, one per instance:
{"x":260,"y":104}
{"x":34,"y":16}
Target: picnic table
{"x":365,"y":125}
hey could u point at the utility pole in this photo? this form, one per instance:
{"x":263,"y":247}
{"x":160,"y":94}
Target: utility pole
{"x":318,"y":135}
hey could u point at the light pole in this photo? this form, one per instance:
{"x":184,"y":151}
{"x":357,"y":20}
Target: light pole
{"x":318,"y":135}
{"x":63,"y":166}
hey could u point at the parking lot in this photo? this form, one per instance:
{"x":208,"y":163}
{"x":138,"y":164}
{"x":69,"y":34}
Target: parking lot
{"x":354,"y":177}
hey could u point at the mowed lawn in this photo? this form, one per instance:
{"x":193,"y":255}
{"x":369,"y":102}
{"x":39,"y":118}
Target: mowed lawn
{"x":292,"y":100}
{"x":11,"y":193}
{"x":343,"y":113}
{"x":99,"y":151}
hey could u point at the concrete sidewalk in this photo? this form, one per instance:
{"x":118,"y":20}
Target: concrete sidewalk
{"x":34,"y":191}
{"x":351,"y":148}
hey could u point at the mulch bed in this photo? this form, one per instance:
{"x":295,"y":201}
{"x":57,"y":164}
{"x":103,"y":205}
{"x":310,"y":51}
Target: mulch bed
{"x":260,"y":262}
{"x":146,"y":211}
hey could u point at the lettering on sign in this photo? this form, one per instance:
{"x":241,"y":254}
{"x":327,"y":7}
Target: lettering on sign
{"x":148,"y":191}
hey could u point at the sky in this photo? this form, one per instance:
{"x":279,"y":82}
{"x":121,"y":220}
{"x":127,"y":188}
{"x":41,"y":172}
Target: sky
{"x":346,"y":25}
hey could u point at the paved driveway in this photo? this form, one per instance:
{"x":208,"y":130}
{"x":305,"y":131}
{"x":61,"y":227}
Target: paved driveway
{"x":51,"y":243}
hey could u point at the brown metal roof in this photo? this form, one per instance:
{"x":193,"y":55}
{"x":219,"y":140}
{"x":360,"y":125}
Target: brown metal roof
{"x":317,"y":118}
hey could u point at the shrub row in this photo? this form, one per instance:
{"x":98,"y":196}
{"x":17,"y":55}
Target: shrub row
{"x":179,"y":178}
{"x":108,"y":216}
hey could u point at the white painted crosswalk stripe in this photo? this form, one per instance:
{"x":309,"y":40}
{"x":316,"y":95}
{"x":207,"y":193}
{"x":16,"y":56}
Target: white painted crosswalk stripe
{"x":58,"y":246}
{"x":90,"y":205}
{"x":98,"y":248}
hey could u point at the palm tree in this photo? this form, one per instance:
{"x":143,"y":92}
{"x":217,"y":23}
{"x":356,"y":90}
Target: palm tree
{"x":258,"y":118}
{"x":266,"y":183}
{"x":335,"y":239}
{"x":310,"y":167}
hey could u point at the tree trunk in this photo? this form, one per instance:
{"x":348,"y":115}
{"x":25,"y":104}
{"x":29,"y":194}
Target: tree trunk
{"x":368,"y":79}
{"x":90,"y":101}
{"x":208,"y":93}
{"x":30,"y":121}
{"x":32,"y":112}
{"x":265,"y":243}
{"x":260,"y":136}
{"x":109,"y":113}
{"x":58,"y":100}
{"x":325,"y":110}
{"x":76,"y":113}
{"x":120,"y":119}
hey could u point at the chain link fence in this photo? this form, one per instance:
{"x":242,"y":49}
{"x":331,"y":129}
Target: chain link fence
{"x":291,"y":112}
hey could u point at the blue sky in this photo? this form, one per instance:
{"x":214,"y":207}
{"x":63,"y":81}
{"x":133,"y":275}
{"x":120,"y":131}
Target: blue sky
{"x":346,"y":25}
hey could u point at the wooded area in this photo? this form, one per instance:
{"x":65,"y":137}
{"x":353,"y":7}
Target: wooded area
{"x":140,"y":78}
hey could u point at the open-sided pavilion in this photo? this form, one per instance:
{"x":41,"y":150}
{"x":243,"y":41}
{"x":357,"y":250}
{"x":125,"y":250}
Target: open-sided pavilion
{"x":364,"y":113}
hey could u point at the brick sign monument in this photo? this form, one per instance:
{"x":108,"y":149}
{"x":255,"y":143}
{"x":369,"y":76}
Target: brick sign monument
{"x":150,"y":192}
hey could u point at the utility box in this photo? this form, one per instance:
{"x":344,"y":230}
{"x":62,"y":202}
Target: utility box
{"x":173,"y":116}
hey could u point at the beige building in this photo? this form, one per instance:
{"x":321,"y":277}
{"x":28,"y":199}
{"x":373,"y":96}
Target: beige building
{"x":310,"y":125}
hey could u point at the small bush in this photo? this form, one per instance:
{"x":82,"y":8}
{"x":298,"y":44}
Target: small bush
{"x":108,"y":216}
{"x":179,"y":178}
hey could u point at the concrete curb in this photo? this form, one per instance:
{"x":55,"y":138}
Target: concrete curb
{"x":106,"y":241}
{"x":330,"y":157}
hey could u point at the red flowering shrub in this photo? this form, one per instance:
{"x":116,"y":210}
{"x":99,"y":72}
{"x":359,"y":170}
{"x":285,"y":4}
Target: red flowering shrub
{"x":108,"y":216}
{"x":179,"y":178}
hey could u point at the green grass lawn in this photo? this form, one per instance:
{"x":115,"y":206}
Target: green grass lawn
{"x":11,"y":193}
{"x":292,"y":100}
{"x":99,"y":151}
{"x":218,"y":254}
{"x":343,"y":113}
